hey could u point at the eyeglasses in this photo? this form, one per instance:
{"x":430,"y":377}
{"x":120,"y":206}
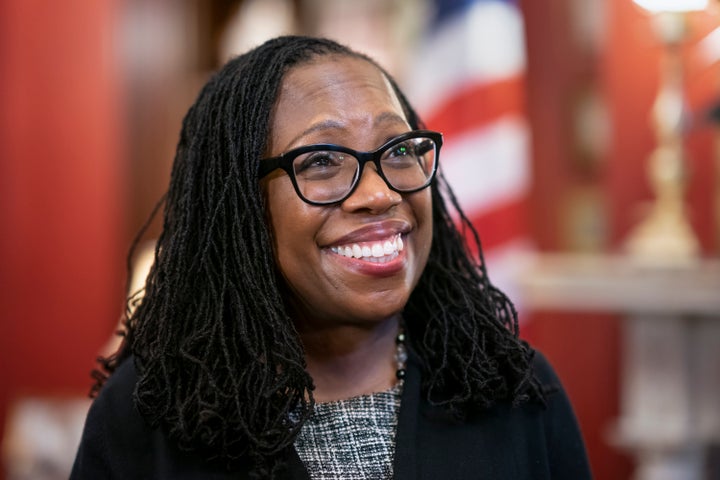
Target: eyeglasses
{"x":323,"y":174}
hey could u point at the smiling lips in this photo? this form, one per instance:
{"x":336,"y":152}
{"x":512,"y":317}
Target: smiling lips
{"x":380,"y":251}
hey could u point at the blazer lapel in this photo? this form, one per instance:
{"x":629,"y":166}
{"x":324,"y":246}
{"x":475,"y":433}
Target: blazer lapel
{"x":405,"y":464}
{"x":295,"y":468}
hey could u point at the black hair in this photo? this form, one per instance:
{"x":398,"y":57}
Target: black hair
{"x":220,"y":365}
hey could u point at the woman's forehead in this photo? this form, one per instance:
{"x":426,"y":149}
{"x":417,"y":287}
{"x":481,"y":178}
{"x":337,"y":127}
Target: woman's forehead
{"x":346,"y":91}
{"x":339,"y":76}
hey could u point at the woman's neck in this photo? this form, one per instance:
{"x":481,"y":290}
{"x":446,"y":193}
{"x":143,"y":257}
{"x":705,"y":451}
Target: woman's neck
{"x":350,"y":360}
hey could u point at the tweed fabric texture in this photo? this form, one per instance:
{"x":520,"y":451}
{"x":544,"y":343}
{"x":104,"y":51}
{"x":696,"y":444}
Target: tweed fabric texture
{"x":351,"y":439}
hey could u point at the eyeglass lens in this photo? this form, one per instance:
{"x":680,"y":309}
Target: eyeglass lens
{"x":325,"y":176}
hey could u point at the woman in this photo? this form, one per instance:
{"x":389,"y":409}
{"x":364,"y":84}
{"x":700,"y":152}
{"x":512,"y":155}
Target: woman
{"x":312,"y":311}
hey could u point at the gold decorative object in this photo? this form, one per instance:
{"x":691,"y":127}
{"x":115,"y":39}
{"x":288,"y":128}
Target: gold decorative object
{"x":665,"y":235}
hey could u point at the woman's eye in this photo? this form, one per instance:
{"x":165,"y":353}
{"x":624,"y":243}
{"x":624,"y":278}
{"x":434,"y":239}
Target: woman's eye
{"x":317,"y":160}
{"x":319,"y":164}
{"x":400,"y":156}
{"x":401,"y":150}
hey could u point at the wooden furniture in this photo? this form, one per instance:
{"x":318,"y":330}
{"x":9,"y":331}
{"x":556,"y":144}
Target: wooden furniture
{"x":670,"y":396}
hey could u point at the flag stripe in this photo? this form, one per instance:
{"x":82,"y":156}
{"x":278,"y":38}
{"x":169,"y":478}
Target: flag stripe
{"x":501,"y":225}
{"x":488,"y":165}
{"x":469,"y":83}
{"x":479,"y":104}
{"x":480,"y":45}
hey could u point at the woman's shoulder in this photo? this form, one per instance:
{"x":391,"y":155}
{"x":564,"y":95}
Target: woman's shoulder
{"x":118,"y":442}
{"x":544,"y":372}
{"x":113,"y":428}
{"x":532,"y":439}
{"x":122,"y":380}
{"x":565,"y":445}
{"x":113,"y":411}
{"x":115,"y":399}
{"x":550,"y":384}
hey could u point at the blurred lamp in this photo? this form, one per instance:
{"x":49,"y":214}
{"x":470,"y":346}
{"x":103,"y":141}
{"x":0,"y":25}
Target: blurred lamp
{"x":665,"y":235}
{"x":672,"y":5}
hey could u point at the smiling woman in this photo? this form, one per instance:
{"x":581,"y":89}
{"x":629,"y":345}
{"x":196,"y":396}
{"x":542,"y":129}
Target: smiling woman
{"x":348,"y":101}
{"x":312,"y":311}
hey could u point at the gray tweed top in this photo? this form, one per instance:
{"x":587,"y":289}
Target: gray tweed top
{"x":351,"y":439}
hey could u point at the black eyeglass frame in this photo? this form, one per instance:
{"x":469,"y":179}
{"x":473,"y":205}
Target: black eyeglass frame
{"x":285,"y":162}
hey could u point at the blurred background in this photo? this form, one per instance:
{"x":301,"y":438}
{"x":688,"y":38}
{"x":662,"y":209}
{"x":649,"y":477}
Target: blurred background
{"x":581,"y":138}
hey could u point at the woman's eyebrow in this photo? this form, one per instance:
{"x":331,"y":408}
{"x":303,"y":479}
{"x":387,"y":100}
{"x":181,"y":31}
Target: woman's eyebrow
{"x":389,"y":117}
{"x":328,"y":124}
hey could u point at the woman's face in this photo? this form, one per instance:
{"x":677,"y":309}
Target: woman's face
{"x":345,"y":101}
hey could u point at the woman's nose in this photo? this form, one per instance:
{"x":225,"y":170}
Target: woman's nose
{"x":372,"y":193}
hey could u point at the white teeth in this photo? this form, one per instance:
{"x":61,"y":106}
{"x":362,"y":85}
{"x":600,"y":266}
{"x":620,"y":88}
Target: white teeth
{"x":372,"y":252}
{"x":388,"y":248}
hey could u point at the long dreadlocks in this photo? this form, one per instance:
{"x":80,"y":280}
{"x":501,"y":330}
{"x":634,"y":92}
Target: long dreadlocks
{"x":221,"y":367}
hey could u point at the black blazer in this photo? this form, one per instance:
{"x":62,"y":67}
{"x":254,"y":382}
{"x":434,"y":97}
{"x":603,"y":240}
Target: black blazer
{"x":526,"y":442}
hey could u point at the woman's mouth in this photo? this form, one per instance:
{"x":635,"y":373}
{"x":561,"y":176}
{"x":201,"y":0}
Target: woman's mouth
{"x":379,"y":251}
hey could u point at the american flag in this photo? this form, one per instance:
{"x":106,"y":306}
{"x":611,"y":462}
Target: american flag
{"x":469,"y":84}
